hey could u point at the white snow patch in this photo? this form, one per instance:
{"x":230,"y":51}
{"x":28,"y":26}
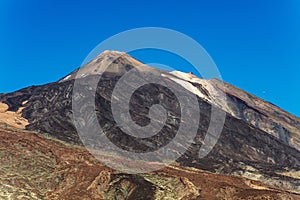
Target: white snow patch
{"x":215,"y":96}
{"x":67,"y":77}
{"x":83,"y":75}
{"x":187,"y":85}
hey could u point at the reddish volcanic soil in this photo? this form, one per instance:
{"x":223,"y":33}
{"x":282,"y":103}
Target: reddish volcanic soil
{"x":37,"y":167}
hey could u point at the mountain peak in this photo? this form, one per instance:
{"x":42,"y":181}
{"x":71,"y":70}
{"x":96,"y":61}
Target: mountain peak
{"x":108,"y":61}
{"x":112,"y":52}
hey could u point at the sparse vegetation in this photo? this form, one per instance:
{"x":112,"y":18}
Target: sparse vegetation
{"x":38,"y":167}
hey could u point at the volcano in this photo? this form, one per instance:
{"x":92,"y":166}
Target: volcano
{"x":257,"y":155}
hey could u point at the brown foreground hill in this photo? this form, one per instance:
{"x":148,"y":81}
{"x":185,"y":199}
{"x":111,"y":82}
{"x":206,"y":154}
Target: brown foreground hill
{"x":34,"y":166}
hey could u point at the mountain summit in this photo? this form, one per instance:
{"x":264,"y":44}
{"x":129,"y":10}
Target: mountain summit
{"x":108,"y":61}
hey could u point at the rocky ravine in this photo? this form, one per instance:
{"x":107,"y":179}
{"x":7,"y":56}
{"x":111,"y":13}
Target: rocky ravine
{"x":259,"y":141}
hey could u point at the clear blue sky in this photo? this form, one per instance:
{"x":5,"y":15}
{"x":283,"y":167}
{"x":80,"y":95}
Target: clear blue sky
{"x":255,"y":43}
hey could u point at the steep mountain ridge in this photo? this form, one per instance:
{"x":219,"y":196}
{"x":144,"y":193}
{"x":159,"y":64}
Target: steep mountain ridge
{"x":255,"y":111}
{"x":238,"y":103}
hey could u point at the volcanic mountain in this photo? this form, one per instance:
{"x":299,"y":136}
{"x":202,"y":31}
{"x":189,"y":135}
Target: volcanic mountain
{"x":256,"y":156}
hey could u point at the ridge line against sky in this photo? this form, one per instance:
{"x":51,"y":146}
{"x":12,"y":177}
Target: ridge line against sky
{"x":255,"y":44}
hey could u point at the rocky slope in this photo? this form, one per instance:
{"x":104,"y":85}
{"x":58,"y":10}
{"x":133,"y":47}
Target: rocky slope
{"x":36,"y":167}
{"x":242,"y":105}
{"x":259,"y":141}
